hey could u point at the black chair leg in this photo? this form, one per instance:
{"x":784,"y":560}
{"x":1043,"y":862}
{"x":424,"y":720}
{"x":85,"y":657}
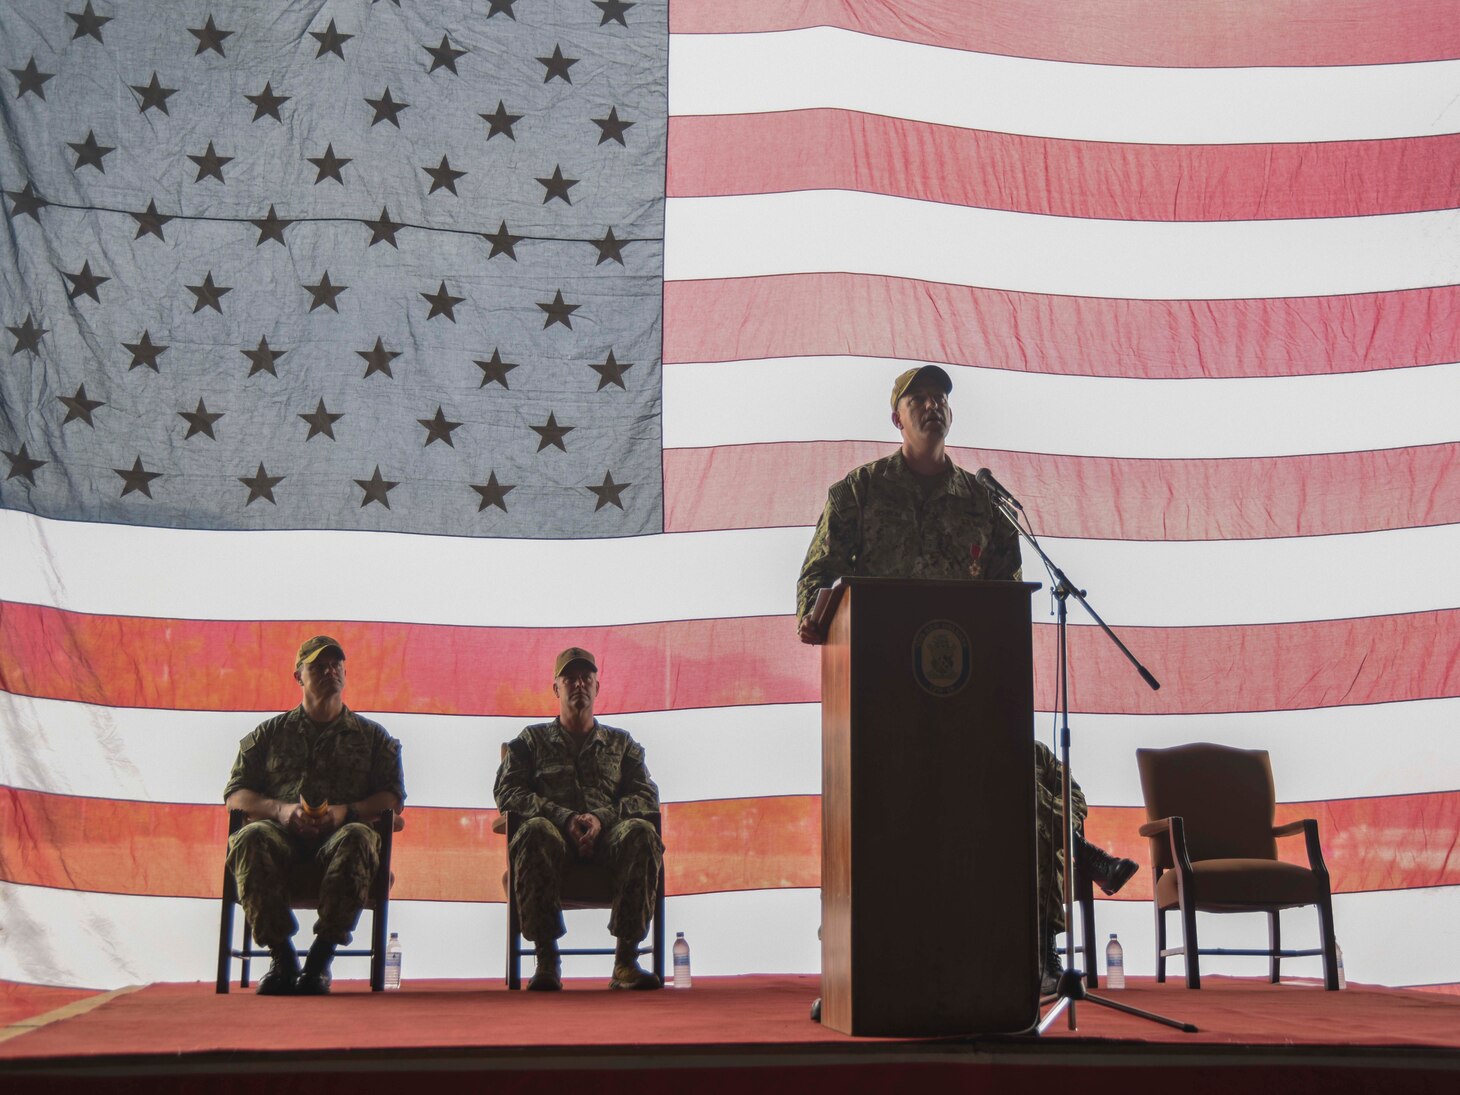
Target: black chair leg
{"x":514,"y":945}
{"x":378,"y":939}
{"x":1086,"y":894}
{"x":1189,"y":949}
{"x":1328,"y":942}
{"x":658,"y":936}
{"x":225,"y":943}
{"x":380,"y":917}
{"x":246,"y":952}
{"x":1160,"y":945}
{"x":1274,"y":944}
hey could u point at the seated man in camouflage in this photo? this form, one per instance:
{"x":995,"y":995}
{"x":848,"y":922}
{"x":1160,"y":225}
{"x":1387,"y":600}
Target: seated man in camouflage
{"x":290,"y":767}
{"x":917,"y":514}
{"x":584,"y":791}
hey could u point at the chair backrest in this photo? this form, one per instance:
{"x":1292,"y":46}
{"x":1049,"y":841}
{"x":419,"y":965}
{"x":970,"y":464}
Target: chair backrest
{"x":1225,"y":797}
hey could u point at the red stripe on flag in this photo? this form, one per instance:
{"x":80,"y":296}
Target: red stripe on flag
{"x":1093,"y":497}
{"x":1232,"y":34}
{"x":1272,"y":667}
{"x":176,"y":850}
{"x":743,"y":844}
{"x":221,"y":665}
{"x":225,"y":665}
{"x":845,"y":150}
{"x":870,"y":315}
{"x":1404,"y":858}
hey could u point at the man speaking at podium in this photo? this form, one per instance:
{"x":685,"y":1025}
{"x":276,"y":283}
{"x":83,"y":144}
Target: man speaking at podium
{"x":916,"y":514}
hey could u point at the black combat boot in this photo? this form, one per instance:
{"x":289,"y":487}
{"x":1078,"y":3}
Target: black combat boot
{"x":316,"y":978}
{"x":627,"y":973}
{"x":549,"y":974}
{"x":283,"y":972}
{"x":1050,"y":966}
{"x":1107,"y":871}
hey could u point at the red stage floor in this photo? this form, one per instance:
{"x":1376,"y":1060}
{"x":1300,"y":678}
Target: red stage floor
{"x":173,"y":1037}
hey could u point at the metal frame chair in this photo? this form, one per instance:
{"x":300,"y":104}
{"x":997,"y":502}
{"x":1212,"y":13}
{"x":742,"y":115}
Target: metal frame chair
{"x":304,"y":894}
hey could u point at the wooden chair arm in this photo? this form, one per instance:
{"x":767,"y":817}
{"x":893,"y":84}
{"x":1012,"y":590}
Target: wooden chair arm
{"x":1173,"y":828}
{"x":1309,"y":828}
{"x":499,"y":823}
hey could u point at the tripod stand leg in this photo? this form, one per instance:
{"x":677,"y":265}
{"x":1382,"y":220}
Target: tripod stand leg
{"x":1072,"y":989}
{"x":1054,"y":1013}
{"x":1106,"y":1002}
{"x":1072,"y":985}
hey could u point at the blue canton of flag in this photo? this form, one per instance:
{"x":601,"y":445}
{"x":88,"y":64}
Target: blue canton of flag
{"x":343,"y":266}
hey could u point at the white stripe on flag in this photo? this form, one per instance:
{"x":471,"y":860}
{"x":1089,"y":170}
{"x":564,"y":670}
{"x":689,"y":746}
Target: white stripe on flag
{"x":1130,"y":581}
{"x":714,"y":403}
{"x":828,"y":67}
{"x":174,"y":571}
{"x":141,"y":754}
{"x":854,"y":232}
{"x":62,"y":747}
{"x":1361,"y":738}
{"x":142,"y":939}
{"x":1380,"y":933}
{"x":145,"y":939}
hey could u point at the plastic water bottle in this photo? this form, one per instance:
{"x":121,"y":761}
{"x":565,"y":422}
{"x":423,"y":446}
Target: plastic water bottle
{"x":392,"y":961}
{"x":1114,"y":964}
{"x":681,"y":962}
{"x":1338,"y":954}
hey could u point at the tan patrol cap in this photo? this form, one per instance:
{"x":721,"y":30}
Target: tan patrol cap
{"x":912,"y":376}
{"x":311,"y":649}
{"x":573,"y":654}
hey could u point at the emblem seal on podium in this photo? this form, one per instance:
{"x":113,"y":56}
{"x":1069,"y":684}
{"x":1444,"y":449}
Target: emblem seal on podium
{"x":942,"y":657}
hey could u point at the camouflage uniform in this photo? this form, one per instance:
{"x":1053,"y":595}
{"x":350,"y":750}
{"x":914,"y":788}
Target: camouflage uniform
{"x":288,"y":757}
{"x":1049,"y":816}
{"x":886,"y":521}
{"x":546,"y":779}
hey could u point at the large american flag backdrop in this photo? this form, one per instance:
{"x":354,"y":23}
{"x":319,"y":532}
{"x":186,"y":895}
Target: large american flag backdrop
{"x":464,"y":331}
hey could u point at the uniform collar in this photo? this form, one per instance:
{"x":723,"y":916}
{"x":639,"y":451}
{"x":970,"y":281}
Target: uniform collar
{"x":952,"y":480}
{"x":594,"y":735}
{"x":345,"y":720}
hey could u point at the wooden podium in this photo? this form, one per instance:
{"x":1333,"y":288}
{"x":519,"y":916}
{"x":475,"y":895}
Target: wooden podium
{"x":927,"y":809}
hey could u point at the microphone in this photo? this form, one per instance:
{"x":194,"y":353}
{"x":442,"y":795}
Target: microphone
{"x":993,"y":486}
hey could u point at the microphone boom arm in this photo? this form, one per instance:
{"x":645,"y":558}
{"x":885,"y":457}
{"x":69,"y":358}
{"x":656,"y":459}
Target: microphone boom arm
{"x":1071,"y":985}
{"x":1065,"y":587}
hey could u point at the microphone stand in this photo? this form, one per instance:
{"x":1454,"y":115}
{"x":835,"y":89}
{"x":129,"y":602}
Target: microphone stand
{"x":1071,"y":987}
